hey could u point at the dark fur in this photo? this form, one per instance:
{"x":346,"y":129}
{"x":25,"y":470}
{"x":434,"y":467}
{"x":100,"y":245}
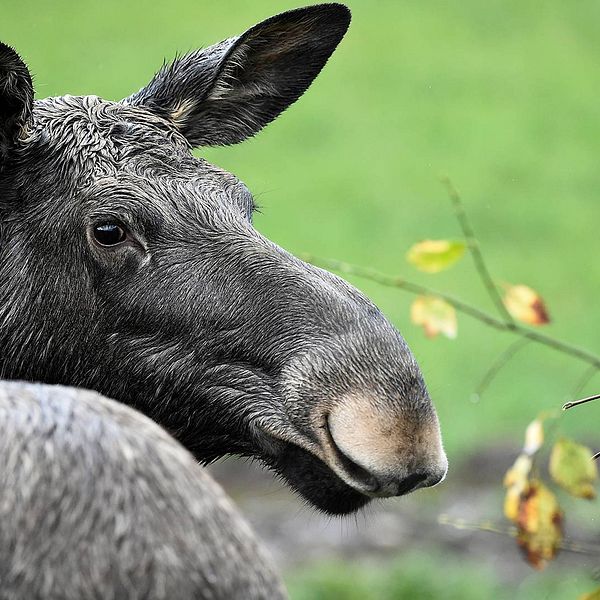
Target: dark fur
{"x":16,"y":99}
{"x":222,"y":337}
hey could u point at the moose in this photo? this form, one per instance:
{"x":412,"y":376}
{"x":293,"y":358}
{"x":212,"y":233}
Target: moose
{"x":132,"y":268}
{"x":97,"y":501}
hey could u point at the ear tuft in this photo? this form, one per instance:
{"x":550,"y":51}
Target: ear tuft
{"x":230,"y":91}
{"x":180,"y":113}
{"x":16,"y":99}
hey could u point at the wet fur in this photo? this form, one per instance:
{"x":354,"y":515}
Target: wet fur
{"x":225,"y":339}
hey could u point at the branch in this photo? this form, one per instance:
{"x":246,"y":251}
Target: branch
{"x":584,"y":380}
{"x":474,"y":248}
{"x":498,"y":364}
{"x":491,"y":527}
{"x":461,"y":306}
{"x":569,"y":405}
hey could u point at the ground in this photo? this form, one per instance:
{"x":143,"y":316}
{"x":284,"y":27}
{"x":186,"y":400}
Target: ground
{"x":402,"y":549}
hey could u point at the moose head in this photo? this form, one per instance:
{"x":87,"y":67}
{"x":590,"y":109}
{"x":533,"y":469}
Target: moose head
{"x":130,"y":267}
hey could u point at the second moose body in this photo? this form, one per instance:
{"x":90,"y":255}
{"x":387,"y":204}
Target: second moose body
{"x":97,"y":501}
{"x":130,"y":267}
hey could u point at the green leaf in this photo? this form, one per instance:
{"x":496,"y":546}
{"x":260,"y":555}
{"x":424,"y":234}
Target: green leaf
{"x":433,"y":256}
{"x":572,"y":467}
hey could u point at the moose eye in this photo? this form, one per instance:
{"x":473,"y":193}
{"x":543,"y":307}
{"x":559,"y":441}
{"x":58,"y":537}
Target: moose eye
{"x":109,"y":234}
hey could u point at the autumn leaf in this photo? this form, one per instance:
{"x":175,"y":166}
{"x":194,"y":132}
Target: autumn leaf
{"x":435,"y":316}
{"x":516,"y":481}
{"x":539,"y":525}
{"x":519,"y":472}
{"x":526,"y":305}
{"x":433,"y":256}
{"x":572,"y":467}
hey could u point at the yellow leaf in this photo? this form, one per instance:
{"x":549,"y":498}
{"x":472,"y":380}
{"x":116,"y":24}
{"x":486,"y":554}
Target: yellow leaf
{"x":512,"y":501}
{"x":519,"y":472}
{"x":534,"y":437}
{"x":539,"y":525}
{"x":435,"y":316}
{"x":526,"y":305}
{"x":433,"y":256}
{"x":595,"y":595}
{"x":572,"y":467}
{"x":517,"y":482}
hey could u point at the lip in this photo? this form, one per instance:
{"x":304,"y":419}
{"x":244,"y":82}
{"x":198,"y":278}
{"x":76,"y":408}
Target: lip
{"x":312,"y":478}
{"x":338,"y":464}
{"x":334,"y":462}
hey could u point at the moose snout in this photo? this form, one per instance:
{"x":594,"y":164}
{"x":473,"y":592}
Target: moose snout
{"x":380,"y":451}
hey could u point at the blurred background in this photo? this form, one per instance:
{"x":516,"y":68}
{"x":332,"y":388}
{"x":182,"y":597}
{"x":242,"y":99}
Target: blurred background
{"x":501,"y":96}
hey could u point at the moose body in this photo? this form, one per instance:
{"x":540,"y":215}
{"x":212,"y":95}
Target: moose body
{"x":130,"y":267}
{"x":97,"y":501}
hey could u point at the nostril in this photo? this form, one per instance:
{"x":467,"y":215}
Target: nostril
{"x":410,"y":483}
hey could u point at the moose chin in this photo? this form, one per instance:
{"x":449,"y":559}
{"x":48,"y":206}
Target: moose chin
{"x":130,"y":267}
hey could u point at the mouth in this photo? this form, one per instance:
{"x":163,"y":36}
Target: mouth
{"x":315,"y":482}
{"x":327,"y":478}
{"x":332,"y":462}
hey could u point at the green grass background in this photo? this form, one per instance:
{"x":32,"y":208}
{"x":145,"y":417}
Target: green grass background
{"x":502,"y":96}
{"x":428,"y":577}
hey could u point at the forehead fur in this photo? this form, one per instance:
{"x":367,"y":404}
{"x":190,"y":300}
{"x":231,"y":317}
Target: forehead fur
{"x":88,"y":148}
{"x":85,"y":137}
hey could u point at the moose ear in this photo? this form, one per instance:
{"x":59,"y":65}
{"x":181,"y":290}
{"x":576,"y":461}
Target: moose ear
{"x":16,"y":99}
{"x":225,"y":93}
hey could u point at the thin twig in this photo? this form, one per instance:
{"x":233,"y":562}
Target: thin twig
{"x":497,"y":366}
{"x":511,"y":531}
{"x":568,"y":405}
{"x":468,"y":309}
{"x":488,"y":526}
{"x":475,"y":249}
{"x":583,"y":381}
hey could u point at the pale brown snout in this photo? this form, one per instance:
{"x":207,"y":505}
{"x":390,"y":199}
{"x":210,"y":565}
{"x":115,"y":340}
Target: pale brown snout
{"x":382,"y":452}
